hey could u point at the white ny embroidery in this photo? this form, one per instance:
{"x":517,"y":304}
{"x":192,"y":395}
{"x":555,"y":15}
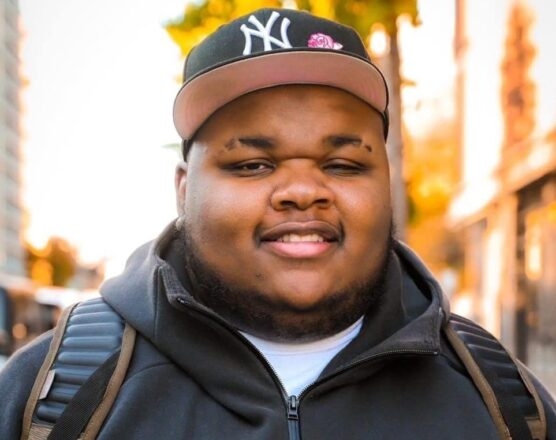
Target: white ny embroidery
{"x":263,"y":32}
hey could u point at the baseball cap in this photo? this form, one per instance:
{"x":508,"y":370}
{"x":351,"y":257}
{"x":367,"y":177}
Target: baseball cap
{"x":272,"y":47}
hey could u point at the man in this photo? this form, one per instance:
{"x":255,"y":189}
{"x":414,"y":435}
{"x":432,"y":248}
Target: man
{"x":278,"y":305}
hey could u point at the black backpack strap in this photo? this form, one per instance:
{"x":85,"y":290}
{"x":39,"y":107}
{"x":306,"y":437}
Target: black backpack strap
{"x":505,"y":386}
{"x":81,"y":375}
{"x":81,"y":407}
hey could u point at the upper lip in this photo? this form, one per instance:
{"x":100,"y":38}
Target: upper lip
{"x":326,"y":230}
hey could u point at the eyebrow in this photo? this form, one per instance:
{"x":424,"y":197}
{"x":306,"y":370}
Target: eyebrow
{"x":266,"y":143}
{"x":339,"y":141}
{"x":258,"y":142}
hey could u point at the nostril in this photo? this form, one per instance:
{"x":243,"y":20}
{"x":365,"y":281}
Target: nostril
{"x":322,"y":202}
{"x":288,"y":204}
{"x":302,"y":203}
{"x":301,"y":192}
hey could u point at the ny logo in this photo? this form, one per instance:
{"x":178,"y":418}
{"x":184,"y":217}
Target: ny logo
{"x":263,"y":32}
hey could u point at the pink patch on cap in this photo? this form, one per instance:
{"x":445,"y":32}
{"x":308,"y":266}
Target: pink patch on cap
{"x":323,"y":41}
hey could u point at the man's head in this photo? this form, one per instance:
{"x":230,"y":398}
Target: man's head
{"x":284,"y":198}
{"x":273,"y":47}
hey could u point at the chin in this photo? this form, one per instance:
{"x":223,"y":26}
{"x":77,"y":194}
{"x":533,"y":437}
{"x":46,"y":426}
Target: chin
{"x":305,"y":297}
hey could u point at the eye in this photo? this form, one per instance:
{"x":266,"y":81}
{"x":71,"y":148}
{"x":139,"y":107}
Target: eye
{"x":344,"y":168}
{"x":251,"y":168}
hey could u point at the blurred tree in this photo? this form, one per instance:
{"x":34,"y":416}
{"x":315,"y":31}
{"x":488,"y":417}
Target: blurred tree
{"x":53,"y":265}
{"x":432,"y":180}
{"x":518,"y":89}
{"x":202,"y":18}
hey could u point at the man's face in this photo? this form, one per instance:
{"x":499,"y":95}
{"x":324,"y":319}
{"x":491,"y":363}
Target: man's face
{"x":285,"y":198}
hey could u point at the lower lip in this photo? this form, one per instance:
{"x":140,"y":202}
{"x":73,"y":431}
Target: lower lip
{"x":299,"y":249}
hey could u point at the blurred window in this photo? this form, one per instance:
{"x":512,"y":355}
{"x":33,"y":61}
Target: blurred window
{"x":536,"y":326}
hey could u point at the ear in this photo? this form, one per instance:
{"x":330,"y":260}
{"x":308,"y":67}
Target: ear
{"x":180,"y":183}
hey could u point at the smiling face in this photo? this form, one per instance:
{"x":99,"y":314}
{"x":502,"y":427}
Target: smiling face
{"x":285,"y":205}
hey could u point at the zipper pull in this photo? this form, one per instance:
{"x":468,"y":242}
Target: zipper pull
{"x":293,"y":408}
{"x":293,"y":418}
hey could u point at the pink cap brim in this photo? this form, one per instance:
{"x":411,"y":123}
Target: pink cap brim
{"x":201,"y":97}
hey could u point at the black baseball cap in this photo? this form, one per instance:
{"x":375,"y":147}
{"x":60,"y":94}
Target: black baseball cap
{"x":272,"y":47}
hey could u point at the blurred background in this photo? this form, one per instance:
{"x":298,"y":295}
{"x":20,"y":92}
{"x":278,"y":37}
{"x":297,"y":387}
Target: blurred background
{"x":88,"y":148}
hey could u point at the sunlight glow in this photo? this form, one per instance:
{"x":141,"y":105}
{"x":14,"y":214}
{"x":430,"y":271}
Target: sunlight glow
{"x":379,"y":42}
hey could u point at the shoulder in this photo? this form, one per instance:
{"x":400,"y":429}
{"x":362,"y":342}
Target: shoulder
{"x":26,"y":361}
{"x":485,"y":357}
{"x":549,"y":404}
{"x":16,"y":380}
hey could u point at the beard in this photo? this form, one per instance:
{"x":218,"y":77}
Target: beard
{"x":253,"y":312}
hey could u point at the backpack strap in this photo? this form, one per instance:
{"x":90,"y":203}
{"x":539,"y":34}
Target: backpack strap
{"x":506,"y":388}
{"x":81,"y":375}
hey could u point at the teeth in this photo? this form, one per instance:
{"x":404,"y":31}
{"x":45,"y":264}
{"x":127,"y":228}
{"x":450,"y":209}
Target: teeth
{"x":295,"y":238}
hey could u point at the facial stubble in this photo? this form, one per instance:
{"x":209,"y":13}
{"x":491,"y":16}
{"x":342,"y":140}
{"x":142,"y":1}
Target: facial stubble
{"x":254,"y":312}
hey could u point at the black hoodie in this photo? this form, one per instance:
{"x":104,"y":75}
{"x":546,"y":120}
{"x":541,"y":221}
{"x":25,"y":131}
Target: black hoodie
{"x":193,"y":376}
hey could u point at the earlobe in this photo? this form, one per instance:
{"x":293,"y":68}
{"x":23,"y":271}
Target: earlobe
{"x":180,"y":180}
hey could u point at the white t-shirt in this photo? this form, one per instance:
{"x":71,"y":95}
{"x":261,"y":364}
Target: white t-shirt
{"x":298,"y":365}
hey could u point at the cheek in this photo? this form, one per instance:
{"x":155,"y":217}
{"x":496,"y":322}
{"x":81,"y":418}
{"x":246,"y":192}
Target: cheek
{"x":368,"y":208}
{"x":217,"y":213}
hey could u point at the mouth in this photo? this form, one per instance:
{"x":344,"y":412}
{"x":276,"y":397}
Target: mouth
{"x":301,"y":239}
{"x":294,"y":232}
{"x":298,"y":238}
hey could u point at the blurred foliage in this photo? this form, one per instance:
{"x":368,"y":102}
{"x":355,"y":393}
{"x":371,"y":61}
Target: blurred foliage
{"x":53,"y":265}
{"x":432,"y":169}
{"x":202,"y":18}
{"x":518,"y":89}
{"x":551,"y":136}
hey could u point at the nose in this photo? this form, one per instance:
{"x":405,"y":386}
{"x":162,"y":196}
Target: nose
{"x":301,"y":188}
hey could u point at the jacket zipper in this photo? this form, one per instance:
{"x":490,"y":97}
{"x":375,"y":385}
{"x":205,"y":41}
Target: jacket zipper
{"x":293,"y":402}
{"x":293,"y":418}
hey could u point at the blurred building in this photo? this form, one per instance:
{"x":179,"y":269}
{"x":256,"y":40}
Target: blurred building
{"x":505,"y":208}
{"x":11,"y":210}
